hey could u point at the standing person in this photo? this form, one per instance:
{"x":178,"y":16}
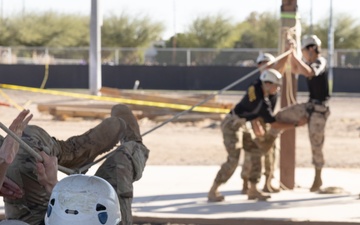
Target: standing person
{"x":313,"y":67}
{"x":123,"y":167}
{"x":269,"y":158}
{"x":254,"y":104}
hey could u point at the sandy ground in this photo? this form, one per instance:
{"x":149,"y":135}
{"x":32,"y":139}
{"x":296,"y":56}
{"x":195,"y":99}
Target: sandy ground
{"x":200,"y":143}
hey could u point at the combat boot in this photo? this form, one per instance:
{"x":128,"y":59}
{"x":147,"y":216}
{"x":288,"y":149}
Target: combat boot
{"x":214,"y":195}
{"x":317,"y":181}
{"x":245,"y":186}
{"x":265,"y":143}
{"x":268,"y":186}
{"x":253,"y":193}
{"x":80,"y":150}
{"x":132,"y":131}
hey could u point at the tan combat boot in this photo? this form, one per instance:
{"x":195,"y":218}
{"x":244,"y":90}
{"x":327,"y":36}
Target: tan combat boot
{"x":245,"y":186}
{"x":80,"y":150}
{"x":268,"y":186}
{"x":317,"y":181}
{"x":253,"y":193}
{"x":214,"y":195}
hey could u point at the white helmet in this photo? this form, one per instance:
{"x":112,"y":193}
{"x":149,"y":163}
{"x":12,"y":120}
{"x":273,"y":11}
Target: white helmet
{"x":83,"y":200}
{"x":265,"y":57}
{"x":310,"y":40}
{"x":271,"y":75}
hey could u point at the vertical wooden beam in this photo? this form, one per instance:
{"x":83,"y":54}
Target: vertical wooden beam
{"x":287,"y":139}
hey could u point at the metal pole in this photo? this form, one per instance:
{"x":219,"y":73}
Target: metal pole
{"x":311,"y":16}
{"x":95,"y":49}
{"x":174,"y":38}
{"x":331,"y":48}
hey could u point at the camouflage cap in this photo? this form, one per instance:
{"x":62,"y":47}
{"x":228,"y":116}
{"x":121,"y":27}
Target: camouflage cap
{"x":132,"y":132}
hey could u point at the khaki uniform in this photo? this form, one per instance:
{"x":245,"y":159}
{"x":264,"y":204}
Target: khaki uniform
{"x":317,"y":115}
{"x":252,"y":166}
{"x":121,"y":169}
{"x":230,"y":127}
{"x":253,"y":173}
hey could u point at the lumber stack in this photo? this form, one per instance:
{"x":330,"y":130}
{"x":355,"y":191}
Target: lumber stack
{"x":98,"y":110}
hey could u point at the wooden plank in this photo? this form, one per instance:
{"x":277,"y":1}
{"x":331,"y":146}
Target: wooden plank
{"x":156,"y":98}
{"x":63,"y":112}
{"x":45,"y":107}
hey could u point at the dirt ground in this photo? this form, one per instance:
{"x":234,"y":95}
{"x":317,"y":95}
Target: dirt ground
{"x":200,"y":143}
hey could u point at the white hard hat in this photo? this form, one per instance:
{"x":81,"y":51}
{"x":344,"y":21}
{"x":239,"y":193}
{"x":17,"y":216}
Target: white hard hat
{"x":271,"y":75}
{"x":310,"y":40}
{"x":83,"y":200}
{"x":265,"y":57}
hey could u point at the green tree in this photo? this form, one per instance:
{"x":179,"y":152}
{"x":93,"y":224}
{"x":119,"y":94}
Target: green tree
{"x":258,"y":31}
{"x":206,"y":32}
{"x":124,"y":31}
{"x":346,"y":32}
{"x":49,"y":29}
{"x":6,"y":33}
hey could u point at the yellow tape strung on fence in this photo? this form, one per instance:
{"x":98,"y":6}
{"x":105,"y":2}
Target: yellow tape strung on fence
{"x":117,"y":100}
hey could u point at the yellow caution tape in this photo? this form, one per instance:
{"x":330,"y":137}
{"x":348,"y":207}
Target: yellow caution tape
{"x":118,"y":100}
{"x":12,"y":102}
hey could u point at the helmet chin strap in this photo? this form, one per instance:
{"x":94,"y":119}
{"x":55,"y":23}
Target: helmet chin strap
{"x":266,"y":89}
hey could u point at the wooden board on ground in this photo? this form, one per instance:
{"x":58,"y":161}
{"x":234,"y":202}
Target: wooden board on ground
{"x":113,"y":92}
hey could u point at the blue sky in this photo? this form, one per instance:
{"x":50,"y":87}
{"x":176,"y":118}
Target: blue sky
{"x":176,"y":15}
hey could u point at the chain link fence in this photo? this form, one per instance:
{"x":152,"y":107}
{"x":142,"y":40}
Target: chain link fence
{"x":155,"y":56}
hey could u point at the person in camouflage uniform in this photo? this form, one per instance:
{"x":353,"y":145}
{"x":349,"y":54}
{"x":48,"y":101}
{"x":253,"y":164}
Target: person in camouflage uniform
{"x":313,"y":67}
{"x":269,"y":158}
{"x":252,"y":174}
{"x":121,"y":169}
{"x":254,"y":104}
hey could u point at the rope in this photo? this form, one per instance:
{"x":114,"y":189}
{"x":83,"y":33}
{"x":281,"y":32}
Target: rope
{"x":200,"y":103}
{"x":289,"y":91}
{"x":86,"y":167}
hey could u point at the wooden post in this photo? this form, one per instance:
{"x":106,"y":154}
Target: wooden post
{"x":287,"y":139}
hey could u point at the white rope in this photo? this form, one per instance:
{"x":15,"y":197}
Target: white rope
{"x":200,"y":103}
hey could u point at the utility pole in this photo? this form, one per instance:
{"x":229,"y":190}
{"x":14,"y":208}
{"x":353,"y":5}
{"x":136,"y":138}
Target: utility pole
{"x":331,"y":48}
{"x":95,"y":48}
{"x":287,"y":139}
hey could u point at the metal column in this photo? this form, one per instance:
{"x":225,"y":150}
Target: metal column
{"x":95,"y":48}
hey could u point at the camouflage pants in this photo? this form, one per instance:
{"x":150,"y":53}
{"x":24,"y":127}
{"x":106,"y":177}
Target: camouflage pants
{"x":252,"y":166}
{"x":317,"y":116}
{"x":123,"y":168}
{"x":229,"y":128}
{"x":72,"y":153}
